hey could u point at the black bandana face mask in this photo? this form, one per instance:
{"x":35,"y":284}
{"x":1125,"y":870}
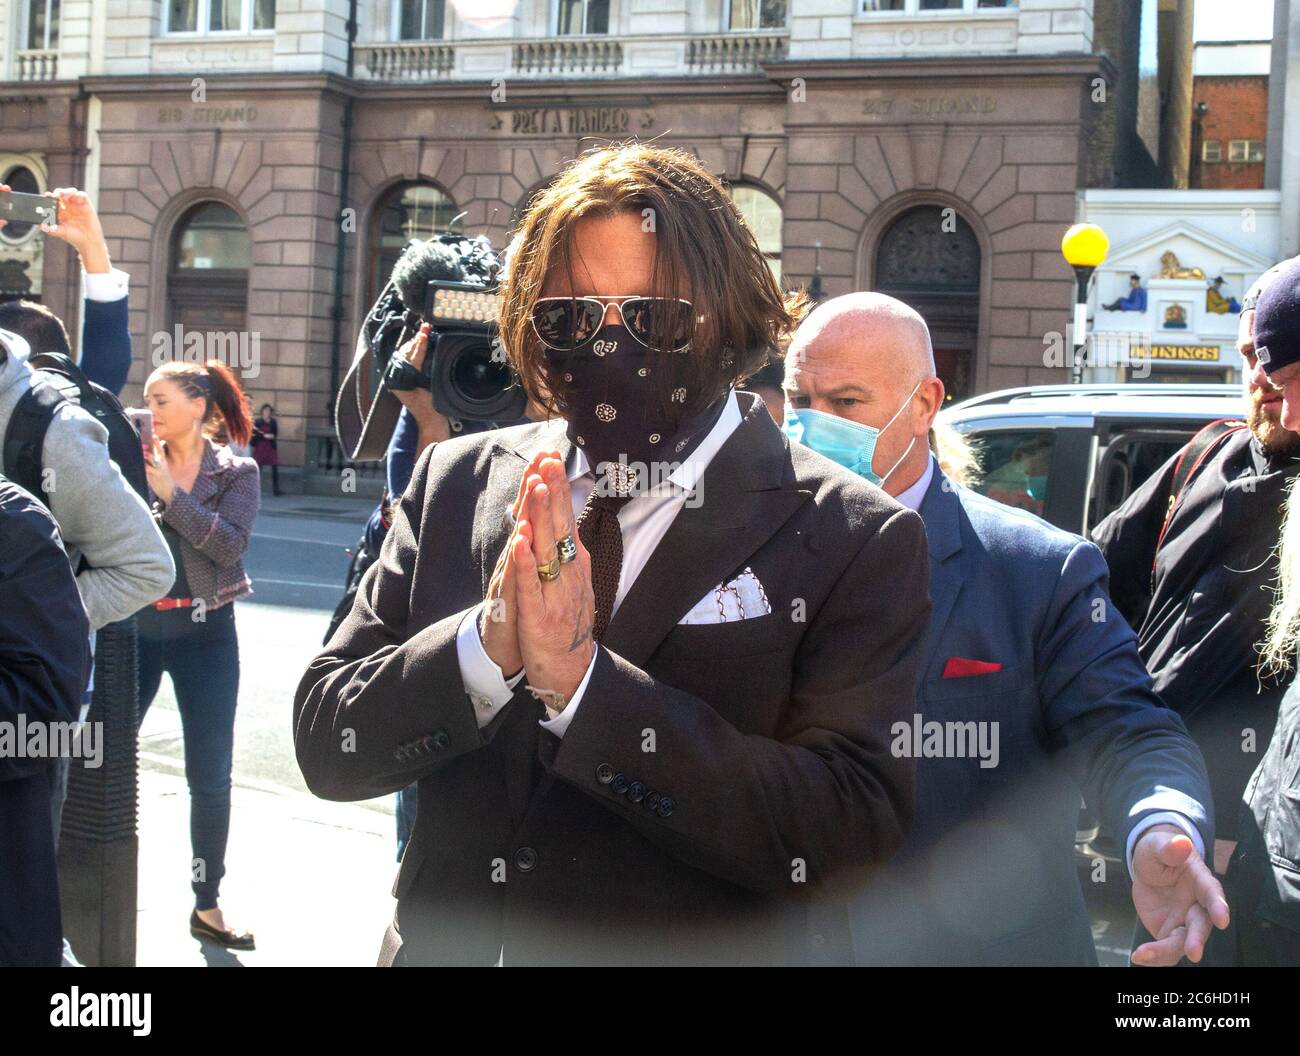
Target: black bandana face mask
{"x":614,"y":413}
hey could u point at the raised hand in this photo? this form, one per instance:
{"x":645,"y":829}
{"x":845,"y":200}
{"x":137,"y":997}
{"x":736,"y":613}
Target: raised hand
{"x":556,"y":617}
{"x":498,"y":623}
{"x":1176,"y":896}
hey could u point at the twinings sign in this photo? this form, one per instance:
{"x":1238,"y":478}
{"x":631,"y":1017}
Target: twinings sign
{"x":1199,"y":353}
{"x":929,"y":105}
{"x":586,"y":120}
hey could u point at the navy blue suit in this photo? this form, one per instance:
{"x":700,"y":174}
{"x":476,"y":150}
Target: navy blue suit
{"x":987,"y":875}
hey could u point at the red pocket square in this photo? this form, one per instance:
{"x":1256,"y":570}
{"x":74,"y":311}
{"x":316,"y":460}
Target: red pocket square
{"x":960,"y":667}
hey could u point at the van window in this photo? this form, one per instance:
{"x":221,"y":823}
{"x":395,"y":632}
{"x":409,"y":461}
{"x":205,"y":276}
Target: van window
{"x":1014,"y":467}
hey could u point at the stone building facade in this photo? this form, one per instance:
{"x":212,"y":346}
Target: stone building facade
{"x":933,"y":154}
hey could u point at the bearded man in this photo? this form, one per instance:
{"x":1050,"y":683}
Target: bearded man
{"x":1192,"y":565}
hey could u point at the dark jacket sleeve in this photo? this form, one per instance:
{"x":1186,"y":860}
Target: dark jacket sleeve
{"x":354,"y":711}
{"x":1131,"y":755}
{"x":106,"y":343}
{"x":1127,"y":540}
{"x":44,"y":632}
{"x":826,"y":794}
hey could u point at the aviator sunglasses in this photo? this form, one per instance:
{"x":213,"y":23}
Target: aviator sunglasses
{"x":562,"y":324}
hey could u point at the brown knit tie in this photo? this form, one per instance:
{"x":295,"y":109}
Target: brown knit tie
{"x":600,"y":533}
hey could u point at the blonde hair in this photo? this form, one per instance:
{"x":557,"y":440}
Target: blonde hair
{"x":1277,"y":651}
{"x":958,"y":456}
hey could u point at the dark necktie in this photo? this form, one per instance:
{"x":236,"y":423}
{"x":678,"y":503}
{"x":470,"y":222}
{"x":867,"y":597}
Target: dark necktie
{"x":600,"y":533}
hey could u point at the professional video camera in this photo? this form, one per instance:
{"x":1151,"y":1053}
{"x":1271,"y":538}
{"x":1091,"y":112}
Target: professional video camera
{"x":450,"y":281}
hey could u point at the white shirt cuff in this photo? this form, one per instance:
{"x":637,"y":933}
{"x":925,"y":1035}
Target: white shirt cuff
{"x":561,"y":722}
{"x":106,"y":286}
{"x":1163,"y":817}
{"x":486,"y":684}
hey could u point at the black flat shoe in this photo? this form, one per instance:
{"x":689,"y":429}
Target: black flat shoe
{"x":202,"y":930}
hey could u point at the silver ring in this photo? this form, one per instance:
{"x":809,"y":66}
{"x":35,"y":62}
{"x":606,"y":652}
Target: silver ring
{"x":568,"y":548}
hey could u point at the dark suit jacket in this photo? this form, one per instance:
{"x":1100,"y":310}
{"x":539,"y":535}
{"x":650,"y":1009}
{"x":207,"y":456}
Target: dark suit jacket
{"x":987,"y":874}
{"x":770,"y":775}
{"x":44,"y":665}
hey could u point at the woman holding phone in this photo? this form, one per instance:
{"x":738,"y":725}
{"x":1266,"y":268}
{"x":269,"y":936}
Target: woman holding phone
{"x":207,"y":501}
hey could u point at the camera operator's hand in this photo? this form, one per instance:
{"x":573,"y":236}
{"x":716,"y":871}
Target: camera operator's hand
{"x":79,"y":227}
{"x":498,"y":626}
{"x":433,"y":426}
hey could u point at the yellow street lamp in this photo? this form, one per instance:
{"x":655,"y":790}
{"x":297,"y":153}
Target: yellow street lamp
{"x":1084,"y":246}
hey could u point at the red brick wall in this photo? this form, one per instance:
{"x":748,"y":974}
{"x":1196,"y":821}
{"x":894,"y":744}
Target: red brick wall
{"x":1238,"y":110}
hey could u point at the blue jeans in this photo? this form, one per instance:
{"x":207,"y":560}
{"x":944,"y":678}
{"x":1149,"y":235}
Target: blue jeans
{"x":203,"y":661}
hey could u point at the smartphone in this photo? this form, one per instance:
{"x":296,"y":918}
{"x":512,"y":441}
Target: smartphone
{"x":142,"y":419}
{"x":19,"y":208}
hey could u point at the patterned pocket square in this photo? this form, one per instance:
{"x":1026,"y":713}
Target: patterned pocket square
{"x":960,"y":667}
{"x":742,"y":599}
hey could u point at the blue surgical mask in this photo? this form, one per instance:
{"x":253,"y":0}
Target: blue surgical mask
{"x":848,"y":443}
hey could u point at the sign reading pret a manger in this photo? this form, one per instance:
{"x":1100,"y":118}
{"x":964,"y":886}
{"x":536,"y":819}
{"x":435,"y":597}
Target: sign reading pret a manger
{"x":581,"y":120}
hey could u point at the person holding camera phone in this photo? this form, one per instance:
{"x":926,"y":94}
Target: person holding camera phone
{"x":105,"y":331}
{"x":208,"y":499}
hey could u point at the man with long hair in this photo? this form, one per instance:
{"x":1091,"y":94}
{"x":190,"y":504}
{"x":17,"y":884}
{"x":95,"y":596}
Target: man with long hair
{"x":643,"y":658}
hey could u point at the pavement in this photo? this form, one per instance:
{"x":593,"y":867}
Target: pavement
{"x":310,"y":878}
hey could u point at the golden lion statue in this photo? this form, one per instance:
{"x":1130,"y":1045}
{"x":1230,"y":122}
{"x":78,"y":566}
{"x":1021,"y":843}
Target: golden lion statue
{"x":1171,"y":269}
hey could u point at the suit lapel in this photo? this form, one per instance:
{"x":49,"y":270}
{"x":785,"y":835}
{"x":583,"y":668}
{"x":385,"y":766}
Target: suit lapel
{"x":744,"y":496}
{"x":941,"y":512}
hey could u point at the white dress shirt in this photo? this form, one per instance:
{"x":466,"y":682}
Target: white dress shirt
{"x":912,"y":498}
{"x":644,"y":521}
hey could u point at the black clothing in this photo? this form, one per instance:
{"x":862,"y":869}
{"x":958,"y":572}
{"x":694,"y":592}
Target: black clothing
{"x":1199,"y":628}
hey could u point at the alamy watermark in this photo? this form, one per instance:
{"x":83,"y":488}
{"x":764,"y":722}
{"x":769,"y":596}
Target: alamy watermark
{"x":53,"y":740}
{"x":240,"y":350}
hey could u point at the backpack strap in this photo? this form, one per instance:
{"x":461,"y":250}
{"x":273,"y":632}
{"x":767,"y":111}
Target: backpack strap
{"x":1190,"y":460}
{"x":25,"y":437}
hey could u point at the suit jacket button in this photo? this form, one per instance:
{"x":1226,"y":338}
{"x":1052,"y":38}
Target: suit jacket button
{"x":619,"y":784}
{"x":604,"y":773}
{"x":440,"y":740}
{"x":525,"y":859}
{"x":636,"y":791}
{"x":652,"y":800}
{"x":665,"y":807}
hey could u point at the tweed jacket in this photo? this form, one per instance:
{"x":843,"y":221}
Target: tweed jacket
{"x":214,"y":521}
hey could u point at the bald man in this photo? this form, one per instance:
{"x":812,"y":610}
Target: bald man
{"x":1032,"y":692}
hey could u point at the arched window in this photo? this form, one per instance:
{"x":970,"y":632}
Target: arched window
{"x":763,"y":214}
{"x":929,"y":258}
{"x":207,"y":278}
{"x":410,"y":210}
